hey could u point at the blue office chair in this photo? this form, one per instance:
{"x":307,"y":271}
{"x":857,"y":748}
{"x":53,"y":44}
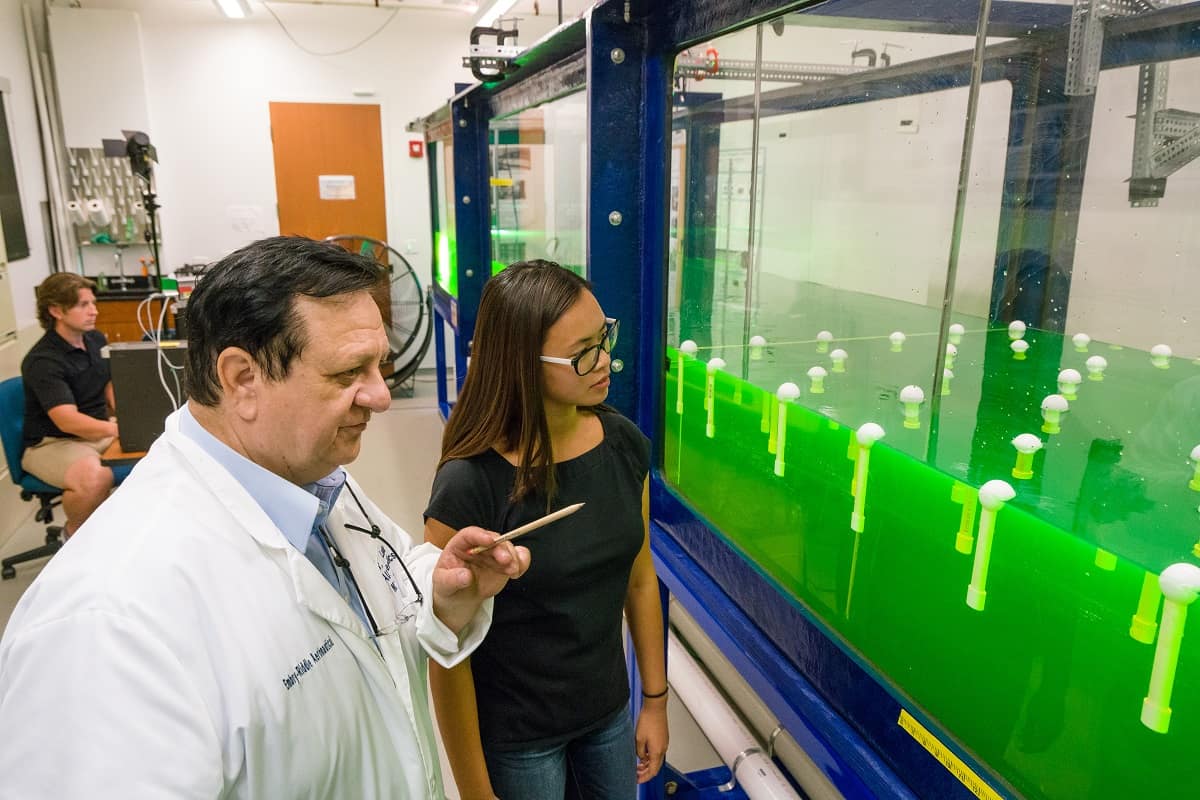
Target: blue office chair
{"x":12,"y":425}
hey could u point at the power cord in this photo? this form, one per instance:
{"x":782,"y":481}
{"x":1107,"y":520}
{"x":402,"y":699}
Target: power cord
{"x":154,"y":334}
{"x":288,"y":33}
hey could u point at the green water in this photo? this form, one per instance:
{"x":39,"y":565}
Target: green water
{"x":1045,"y":685}
{"x":445,"y":266}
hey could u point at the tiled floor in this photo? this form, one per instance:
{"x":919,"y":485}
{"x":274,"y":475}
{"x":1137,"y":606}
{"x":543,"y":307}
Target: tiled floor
{"x":396,"y":468}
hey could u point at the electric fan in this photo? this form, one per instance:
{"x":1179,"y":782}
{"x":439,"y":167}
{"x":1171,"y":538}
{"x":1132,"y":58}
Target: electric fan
{"x":403,"y":303}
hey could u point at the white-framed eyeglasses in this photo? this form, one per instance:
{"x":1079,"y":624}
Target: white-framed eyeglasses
{"x":588,"y":358}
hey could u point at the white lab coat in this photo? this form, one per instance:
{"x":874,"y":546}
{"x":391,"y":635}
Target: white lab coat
{"x":179,"y":647}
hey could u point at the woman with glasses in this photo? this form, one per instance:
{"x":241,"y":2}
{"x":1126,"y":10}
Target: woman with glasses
{"x":541,"y":711}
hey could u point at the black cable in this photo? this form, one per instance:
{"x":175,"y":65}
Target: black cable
{"x":340,"y":562}
{"x":283,"y":27}
{"x":376,"y":533}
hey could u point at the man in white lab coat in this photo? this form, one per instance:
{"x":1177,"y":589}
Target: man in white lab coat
{"x":238,"y":619}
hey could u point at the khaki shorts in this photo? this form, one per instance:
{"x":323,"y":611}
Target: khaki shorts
{"x":50,"y":458}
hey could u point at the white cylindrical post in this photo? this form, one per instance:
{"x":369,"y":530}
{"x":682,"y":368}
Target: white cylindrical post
{"x":838,"y":357}
{"x":1180,"y":584}
{"x":1027,"y":446}
{"x":1160,"y":356}
{"x":757,"y":343}
{"x":816,"y":380}
{"x":710,"y":400}
{"x":787,"y":393}
{"x":992,"y":496}
{"x":686,"y":348}
{"x":912,"y":397}
{"x":824,"y":338}
{"x":1068,"y":383}
{"x":867,"y":436}
{"x":1053,"y":407}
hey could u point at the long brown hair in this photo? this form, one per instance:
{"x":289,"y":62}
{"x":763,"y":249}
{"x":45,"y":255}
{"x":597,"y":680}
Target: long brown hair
{"x":500,"y":404}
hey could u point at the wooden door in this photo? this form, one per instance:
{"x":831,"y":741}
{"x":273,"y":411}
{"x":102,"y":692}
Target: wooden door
{"x":329,"y":169}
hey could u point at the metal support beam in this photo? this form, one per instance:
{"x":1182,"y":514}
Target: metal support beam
{"x":947,"y":17}
{"x":471,"y":197}
{"x":628,"y":145}
{"x":563,"y":78}
{"x":1145,"y":188}
{"x":740,"y":69}
{"x":693,"y":22}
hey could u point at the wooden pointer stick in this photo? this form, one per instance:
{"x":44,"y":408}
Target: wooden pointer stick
{"x":529,"y":526}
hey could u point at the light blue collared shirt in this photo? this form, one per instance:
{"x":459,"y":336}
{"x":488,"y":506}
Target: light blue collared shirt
{"x":297,"y":512}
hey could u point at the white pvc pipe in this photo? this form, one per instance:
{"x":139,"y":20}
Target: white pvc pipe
{"x":754,"y":772}
{"x":815,"y":784}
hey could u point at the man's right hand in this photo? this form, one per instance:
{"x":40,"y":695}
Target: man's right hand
{"x":462,"y":580}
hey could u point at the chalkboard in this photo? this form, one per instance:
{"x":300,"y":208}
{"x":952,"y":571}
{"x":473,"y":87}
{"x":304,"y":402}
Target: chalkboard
{"x":11,"y":215}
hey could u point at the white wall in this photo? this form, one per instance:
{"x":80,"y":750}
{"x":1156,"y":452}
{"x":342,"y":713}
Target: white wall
{"x":1137,"y":270}
{"x":28,"y":272}
{"x":850,"y":200}
{"x":209,"y":81}
{"x":99,"y":73}
{"x":209,"y":85}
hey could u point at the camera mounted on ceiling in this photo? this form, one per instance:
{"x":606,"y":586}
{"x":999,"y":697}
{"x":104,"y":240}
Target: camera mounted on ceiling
{"x":488,"y":62}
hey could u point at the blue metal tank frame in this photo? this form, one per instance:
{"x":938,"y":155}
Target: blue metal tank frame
{"x":840,"y":710}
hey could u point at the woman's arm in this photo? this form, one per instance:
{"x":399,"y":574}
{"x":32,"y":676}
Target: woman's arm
{"x":457,"y":715}
{"x":643,"y":612}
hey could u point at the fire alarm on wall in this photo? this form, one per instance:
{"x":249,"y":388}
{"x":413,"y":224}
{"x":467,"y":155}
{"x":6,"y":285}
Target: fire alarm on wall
{"x":416,"y":148}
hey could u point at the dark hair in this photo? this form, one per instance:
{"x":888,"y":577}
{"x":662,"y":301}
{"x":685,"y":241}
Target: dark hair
{"x":501,"y":398}
{"x":248,"y":300}
{"x":59,"y":290}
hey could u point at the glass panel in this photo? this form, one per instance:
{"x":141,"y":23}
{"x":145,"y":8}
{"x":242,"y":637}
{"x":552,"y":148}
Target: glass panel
{"x":1090,"y":229}
{"x":539,"y":179}
{"x":1023,"y":620}
{"x":445,"y":253}
{"x":710,"y":215}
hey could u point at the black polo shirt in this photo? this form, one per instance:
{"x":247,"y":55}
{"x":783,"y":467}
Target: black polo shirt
{"x":57,"y":373}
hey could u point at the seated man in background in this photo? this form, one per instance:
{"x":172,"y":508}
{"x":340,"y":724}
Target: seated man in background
{"x":239,"y":620}
{"x":69,"y":398}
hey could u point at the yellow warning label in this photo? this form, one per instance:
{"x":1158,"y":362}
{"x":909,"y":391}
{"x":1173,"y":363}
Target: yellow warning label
{"x":966,"y":776}
{"x":500,"y":181}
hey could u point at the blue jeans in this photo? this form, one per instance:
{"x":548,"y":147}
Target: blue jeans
{"x":600,"y":765}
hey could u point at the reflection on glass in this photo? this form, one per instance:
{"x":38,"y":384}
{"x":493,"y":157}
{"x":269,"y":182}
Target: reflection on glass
{"x":445,"y":254}
{"x":1029,"y":638}
{"x":538,"y":180}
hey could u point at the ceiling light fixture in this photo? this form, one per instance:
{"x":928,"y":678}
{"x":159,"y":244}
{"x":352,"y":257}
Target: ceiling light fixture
{"x":234,"y":9}
{"x":494,"y":11}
